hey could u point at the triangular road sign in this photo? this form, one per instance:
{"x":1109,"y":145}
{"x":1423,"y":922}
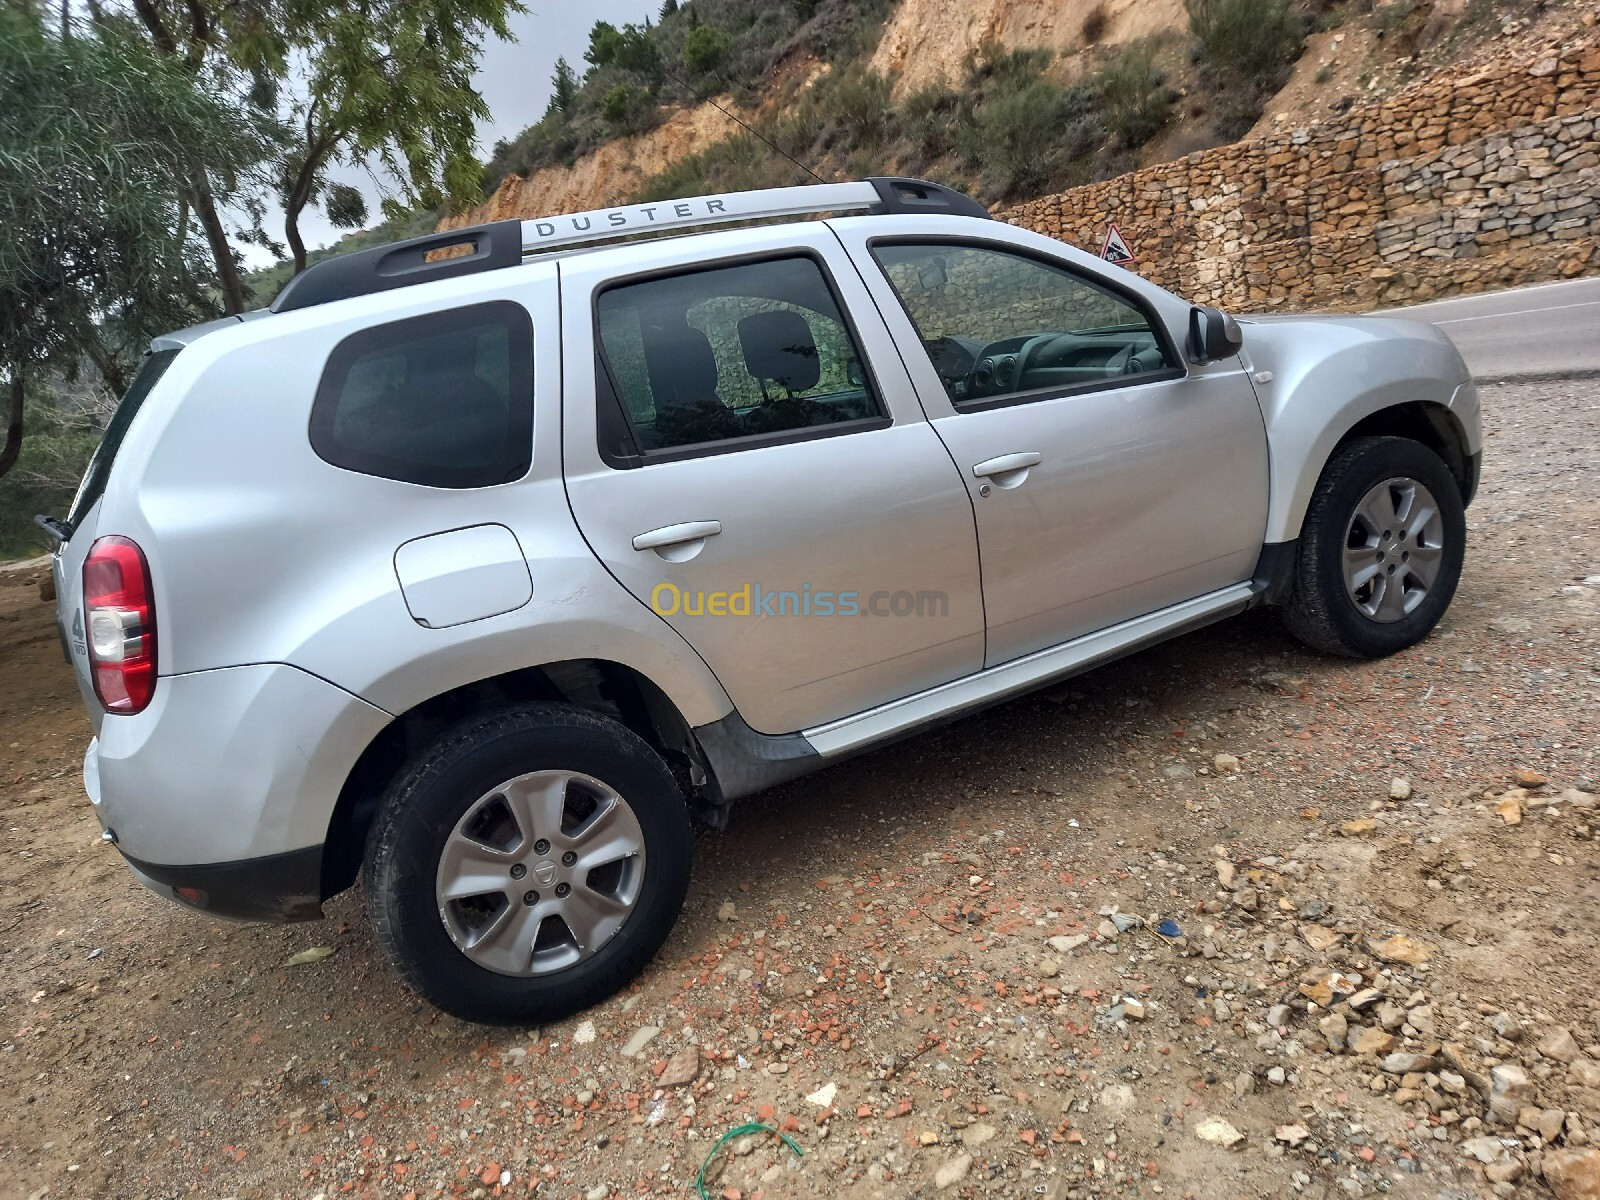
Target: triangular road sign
{"x":1116,"y":248}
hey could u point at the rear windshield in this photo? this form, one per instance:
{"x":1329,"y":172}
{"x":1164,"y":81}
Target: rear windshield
{"x":94,"y":479}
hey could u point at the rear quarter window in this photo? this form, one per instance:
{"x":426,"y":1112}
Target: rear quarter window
{"x":444,"y":400}
{"x":94,"y":479}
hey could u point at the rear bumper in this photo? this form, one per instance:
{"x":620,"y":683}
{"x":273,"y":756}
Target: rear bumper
{"x":278,"y":888}
{"x":236,"y":765}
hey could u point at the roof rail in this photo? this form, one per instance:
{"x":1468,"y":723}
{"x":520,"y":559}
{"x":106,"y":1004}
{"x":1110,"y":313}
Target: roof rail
{"x":504,"y":243}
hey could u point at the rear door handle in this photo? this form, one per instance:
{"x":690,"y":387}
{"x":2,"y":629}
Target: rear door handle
{"x":1009,"y":469}
{"x":676,"y":543}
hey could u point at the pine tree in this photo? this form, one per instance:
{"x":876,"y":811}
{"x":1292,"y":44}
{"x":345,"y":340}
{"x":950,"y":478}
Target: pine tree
{"x":563,"y":87}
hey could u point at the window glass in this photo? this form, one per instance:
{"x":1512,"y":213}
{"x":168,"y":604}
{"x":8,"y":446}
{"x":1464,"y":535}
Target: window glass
{"x":444,"y":400}
{"x":997,"y":324}
{"x":757,"y":348}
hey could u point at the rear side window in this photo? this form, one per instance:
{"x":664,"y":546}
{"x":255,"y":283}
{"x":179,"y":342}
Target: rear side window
{"x":730,"y":356}
{"x":94,"y":479}
{"x":444,"y":400}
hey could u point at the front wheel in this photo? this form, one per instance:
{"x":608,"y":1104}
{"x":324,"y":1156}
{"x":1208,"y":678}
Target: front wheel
{"x":1380,"y":552}
{"x":528,"y":864}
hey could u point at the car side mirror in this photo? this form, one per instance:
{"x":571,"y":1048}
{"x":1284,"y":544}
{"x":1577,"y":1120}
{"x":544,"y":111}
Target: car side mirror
{"x":1212,"y":335}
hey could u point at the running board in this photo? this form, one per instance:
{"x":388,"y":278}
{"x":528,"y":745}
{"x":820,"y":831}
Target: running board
{"x":959,"y":696}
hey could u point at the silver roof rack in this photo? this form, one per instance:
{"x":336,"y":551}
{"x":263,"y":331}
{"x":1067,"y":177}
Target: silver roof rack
{"x":504,"y":243}
{"x":599,"y":224}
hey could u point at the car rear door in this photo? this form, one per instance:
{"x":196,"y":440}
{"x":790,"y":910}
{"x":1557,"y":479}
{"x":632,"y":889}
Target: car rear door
{"x":1109,"y":478}
{"x":745,"y":452}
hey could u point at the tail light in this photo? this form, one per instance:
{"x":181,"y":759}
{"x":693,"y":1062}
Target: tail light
{"x":120,"y":607}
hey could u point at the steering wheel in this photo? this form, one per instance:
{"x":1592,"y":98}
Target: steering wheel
{"x":952,"y":361}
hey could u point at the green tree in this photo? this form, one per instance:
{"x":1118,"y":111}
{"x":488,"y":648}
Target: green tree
{"x":563,"y":88}
{"x":388,"y":85}
{"x":234,"y":48}
{"x":668,"y":7}
{"x":631,"y":48}
{"x":99,"y":245}
{"x":346,"y":206}
{"x":605,"y":42}
{"x":385,"y":83}
{"x":704,"y":49}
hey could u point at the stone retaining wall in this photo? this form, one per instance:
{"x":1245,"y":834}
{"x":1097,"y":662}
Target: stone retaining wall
{"x":1480,"y":177}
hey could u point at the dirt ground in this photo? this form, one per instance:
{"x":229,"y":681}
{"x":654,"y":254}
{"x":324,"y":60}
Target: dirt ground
{"x":1368,"y":986}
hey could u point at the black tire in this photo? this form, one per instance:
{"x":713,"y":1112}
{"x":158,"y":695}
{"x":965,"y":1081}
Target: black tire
{"x":422,"y":808}
{"x":1320,"y":610}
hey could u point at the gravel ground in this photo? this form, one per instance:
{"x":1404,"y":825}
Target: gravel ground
{"x":1226,"y":919}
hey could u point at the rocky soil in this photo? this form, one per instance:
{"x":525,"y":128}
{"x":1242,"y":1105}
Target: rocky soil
{"x":1226,"y":919}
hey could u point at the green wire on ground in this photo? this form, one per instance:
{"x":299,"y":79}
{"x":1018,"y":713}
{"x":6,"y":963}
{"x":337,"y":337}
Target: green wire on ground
{"x":739,"y":1131}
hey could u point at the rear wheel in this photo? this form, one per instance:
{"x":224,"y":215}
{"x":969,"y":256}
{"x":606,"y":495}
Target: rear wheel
{"x":1380,"y":552}
{"x":528,"y":864}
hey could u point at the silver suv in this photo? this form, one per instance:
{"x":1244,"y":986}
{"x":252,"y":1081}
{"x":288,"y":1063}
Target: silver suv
{"x":482,"y":573}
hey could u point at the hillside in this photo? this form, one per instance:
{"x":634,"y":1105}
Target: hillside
{"x":1008,"y":99}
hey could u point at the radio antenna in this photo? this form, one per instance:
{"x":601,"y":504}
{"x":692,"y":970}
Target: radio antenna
{"x":748,"y":128}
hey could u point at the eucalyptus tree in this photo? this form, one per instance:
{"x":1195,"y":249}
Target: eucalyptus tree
{"x":99,"y":243}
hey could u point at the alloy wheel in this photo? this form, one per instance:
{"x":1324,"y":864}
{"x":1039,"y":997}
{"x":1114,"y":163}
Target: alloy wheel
{"x":540,"y":873}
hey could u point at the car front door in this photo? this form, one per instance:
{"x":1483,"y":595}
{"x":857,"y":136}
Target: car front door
{"x":1110,"y":479}
{"x":745,"y":452}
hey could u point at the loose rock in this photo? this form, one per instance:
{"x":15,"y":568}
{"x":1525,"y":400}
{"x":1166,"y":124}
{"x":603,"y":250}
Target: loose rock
{"x":953,"y":1172}
{"x":1218,"y":1132}
{"x":1573,"y":1174}
{"x":1560,"y":1045}
{"x":1292,"y":1135}
{"x":641,"y":1038}
{"x":1400,"y":949}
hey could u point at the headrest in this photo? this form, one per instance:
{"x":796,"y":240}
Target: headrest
{"x":680,"y":364}
{"x":778,"y":345}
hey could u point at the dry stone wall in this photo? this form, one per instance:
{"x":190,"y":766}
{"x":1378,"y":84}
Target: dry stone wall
{"x":1479,"y":177}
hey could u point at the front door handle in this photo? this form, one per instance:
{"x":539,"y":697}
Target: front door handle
{"x":678,"y":543}
{"x":1008,"y":470}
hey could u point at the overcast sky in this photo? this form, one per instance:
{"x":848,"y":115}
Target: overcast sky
{"x":514,"y":78}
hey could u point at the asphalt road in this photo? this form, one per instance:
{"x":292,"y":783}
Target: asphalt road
{"x":1547,"y":330}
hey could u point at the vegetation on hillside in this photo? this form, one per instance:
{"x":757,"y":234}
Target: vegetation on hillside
{"x":1015,"y":126}
{"x":1008,"y":131}
{"x":1245,"y":49}
{"x":693,"y":51}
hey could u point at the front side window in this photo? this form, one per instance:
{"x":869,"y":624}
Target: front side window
{"x":444,"y":400}
{"x":729,"y":353}
{"x":999,"y":324}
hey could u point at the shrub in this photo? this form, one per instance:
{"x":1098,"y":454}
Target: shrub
{"x":1244,"y":48}
{"x":625,"y":106}
{"x":991,"y":63}
{"x":930,"y":119}
{"x":1135,"y":100}
{"x":857,"y":104}
{"x":1031,"y":137}
{"x":1246,"y":41}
